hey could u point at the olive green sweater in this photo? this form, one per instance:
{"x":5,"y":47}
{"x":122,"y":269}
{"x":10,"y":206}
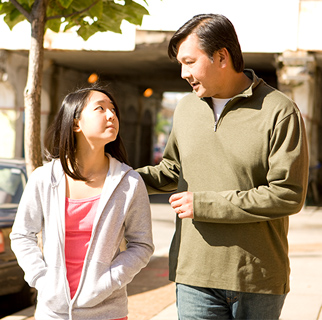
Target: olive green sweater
{"x":248,"y":173}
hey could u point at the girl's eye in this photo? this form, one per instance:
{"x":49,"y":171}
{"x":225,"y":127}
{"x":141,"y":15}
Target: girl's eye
{"x":99,"y":108}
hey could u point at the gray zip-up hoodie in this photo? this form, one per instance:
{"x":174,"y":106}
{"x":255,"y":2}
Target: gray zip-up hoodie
{"x":123,"y":211}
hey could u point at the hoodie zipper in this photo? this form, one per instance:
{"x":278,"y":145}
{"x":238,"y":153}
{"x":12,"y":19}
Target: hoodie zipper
{"x":107,"y":193}
{"x":56,"y":185}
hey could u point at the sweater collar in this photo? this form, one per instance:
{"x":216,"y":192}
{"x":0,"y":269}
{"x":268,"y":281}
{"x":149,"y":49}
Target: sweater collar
{"x":246,"y":93}
{"x":255,"y":82}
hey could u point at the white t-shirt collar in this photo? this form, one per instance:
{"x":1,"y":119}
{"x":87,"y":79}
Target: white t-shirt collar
{"x":218,"y":106}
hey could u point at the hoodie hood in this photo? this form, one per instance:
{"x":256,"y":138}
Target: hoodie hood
{"x":117,"y":170}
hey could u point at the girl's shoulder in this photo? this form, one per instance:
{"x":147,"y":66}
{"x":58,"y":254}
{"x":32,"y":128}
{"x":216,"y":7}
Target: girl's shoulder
{"x":121,"y":169}
{"x":132,"y":173}
{"x":41,"y":170}
{"x":47,"y":172}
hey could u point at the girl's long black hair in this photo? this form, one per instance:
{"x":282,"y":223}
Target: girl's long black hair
{"x":60,"y":139}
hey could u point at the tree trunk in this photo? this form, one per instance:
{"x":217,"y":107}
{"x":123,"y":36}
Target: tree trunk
{"x":33,"y":154}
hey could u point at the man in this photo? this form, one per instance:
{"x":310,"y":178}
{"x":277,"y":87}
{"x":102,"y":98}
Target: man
{"x":237,"y":156}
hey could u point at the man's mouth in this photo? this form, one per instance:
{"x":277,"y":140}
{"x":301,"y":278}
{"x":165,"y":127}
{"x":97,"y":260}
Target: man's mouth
{"x":194,"y":85}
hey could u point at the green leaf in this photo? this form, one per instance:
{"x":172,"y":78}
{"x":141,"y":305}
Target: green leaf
{"x":65,"y":3}
{"x":79,"y":5}
{"x":6,"y":8}
{"x":70,"y":24}
{"x":135,"y":12}
{"x":114,"y":10}
{"x":13,"y":18}
{"x":105,"y":15}
{"x":86,"y":31}
{"x":53,"y":24}
{"x":12,"y":15}
{"x":53,"y":8}
{"x":25,"y":3}
{"x":107,"y":23}
{"x":30,"y":3}
{"x":111,"y":16}
{"x":97,"y":10}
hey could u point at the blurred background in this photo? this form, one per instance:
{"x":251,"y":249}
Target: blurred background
{"x":280,"y":41}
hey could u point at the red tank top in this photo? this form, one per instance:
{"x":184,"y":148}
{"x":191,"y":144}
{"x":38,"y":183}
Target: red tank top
{"x":79,"y":218}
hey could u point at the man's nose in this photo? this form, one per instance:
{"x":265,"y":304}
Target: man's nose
{"x":185,"y":74}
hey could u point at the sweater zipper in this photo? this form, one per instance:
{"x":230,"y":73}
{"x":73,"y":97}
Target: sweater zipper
{"x":217,"y":121}
{"x":228,"y":102}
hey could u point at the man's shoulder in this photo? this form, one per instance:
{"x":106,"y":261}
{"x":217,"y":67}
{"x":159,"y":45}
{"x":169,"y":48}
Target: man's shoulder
{"x":274,"y":97}
{"x":190,"y":100}
{"x":191,"y":96}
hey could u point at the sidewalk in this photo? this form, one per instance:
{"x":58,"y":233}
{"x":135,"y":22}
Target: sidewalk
{"x":304,"y":302}
{"x":152,"y":296}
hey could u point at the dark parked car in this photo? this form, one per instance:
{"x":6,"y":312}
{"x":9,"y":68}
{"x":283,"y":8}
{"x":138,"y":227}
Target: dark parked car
{"x":13,"y":179}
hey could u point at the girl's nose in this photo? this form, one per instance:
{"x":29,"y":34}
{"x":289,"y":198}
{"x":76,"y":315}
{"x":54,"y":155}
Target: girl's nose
{"x":110,"y":115}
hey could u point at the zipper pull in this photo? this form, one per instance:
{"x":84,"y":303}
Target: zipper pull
{"x":215,"y":126}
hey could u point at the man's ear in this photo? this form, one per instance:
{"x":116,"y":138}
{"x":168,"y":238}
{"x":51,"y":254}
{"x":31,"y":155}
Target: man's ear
{"x":223,"y":55}
{"x":76,"y":127}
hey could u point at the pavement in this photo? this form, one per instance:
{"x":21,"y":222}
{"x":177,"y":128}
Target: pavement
{"x":152,"y":295}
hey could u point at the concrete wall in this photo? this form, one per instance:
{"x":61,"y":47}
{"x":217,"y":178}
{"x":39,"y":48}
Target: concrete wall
{"x":300,"y":77}
{"x":138,"y":114}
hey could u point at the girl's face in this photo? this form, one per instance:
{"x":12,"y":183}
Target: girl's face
{"x":98,"y":123}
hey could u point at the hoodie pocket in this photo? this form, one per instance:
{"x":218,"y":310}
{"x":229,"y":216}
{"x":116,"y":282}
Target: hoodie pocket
{"x":53,"y":294}
{"x":96,"y":286}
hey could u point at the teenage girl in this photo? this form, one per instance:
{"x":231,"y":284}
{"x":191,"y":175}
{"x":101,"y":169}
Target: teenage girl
{"x":85,"y":201}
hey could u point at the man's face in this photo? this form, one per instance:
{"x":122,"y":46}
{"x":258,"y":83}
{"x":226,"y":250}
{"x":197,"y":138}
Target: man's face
{"x":203,"y":74}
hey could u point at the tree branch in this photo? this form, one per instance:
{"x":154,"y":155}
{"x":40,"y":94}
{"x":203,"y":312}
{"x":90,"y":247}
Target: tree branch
{"x":22,"y":10}
{"x":74,"y":13}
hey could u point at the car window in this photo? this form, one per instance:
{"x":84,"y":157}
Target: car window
{"x":12,"y":182}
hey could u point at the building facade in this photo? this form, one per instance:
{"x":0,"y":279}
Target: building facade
{"x":290,"y":59}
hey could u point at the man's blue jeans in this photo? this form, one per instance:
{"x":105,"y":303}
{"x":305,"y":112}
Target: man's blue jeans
{"x":196,"y":303}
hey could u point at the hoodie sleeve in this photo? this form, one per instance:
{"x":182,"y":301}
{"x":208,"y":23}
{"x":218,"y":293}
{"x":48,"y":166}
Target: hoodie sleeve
{"x":138,"y":233}
{"x":28,"y":223}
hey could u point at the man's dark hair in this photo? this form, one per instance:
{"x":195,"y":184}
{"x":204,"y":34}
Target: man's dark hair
{"x":215,"y":32}
{"x":60,"y":139}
